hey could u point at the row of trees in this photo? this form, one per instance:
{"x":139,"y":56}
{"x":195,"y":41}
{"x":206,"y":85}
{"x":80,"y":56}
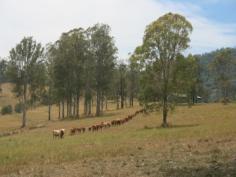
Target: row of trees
{"x":83,"y":63}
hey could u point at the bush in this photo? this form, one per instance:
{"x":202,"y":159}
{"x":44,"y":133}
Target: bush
{"x":18,"y":108}
{"x":6,"y":110}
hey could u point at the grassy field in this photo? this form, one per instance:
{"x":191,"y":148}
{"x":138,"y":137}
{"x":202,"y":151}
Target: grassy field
{"x":201,"y":142}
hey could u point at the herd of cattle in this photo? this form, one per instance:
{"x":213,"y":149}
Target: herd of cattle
{"x":103,"y":125}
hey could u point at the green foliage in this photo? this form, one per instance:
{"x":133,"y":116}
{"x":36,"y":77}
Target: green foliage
{"x":26,"y":71}
{"x":81,"y":62}
{"x":164,"y":40}
{"x":6,"y":110}
{"x":3,"y":68}
{"x":211,"y":90}
{"x":187,"y":79}
{"x":222,"y":68}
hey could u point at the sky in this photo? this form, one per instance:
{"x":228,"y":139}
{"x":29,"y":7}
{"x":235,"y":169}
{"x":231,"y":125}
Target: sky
{"x":214,"y":21}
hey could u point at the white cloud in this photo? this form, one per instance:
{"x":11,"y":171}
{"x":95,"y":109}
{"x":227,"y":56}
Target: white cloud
{"x":47,"y":19}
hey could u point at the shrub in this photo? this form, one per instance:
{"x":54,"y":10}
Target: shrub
{"x":6,"y":110}
{"x":18,"y":108}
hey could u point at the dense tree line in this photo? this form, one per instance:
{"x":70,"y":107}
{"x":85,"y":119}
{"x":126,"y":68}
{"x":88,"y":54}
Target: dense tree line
{"x":218,"y":70}
{"x":82,"y":67}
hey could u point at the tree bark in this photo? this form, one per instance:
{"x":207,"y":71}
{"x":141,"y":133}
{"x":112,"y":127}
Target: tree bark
{"x":77,"y":105}
{"x":165,"y":98}
{"x":74,"y":106}
{"x":90,"y":107}
{"x":24,"y":105}
{"x":63,"y":109}
{"x":117,"y":101}
{"x":165,"y":112}
{"x":98,"y":106}
{"x":49,"y":111}
{"x":67,"y":108}
{"x":85,"y":105}
{"x":102,"y":104}
{"x":59,"y":110}
{"x":106,"y":103}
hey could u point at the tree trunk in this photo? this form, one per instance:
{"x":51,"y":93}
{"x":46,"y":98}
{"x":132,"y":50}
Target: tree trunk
{"x":85,"y":105}
{"x":117,"y":102}
{"x":165,"y":101}
{"x":67,"y":108}
{"x":102,"y":104}
{"x":49,"y":111}
{"x":121,"y":101}
{"x":24,"y":106}
{"x":59,"y":110}
{"x":106,"y":103}
{"x":77,"y":110}
{"x":165,"y":113}
{"x":49,"y":103}
{"x":74,"y":106}
{"x":90,"y":107}
{"x":63,"y":109}
{"x":132,"y":101}
{"x":70,"y":106}
{"x":98,"y":106}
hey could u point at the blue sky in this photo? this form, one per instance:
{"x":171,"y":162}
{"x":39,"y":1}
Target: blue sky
{"x":214,"y":21}
{"x":219,"y":10}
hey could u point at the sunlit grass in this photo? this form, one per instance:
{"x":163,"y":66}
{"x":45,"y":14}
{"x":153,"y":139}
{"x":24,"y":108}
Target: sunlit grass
{"x":206,"y":122}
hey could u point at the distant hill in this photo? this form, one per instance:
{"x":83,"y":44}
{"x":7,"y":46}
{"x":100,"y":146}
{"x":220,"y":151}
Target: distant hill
{"x":207,"y":78}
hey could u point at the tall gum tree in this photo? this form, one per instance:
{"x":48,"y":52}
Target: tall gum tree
{"x":103,"y":51}
{"x":164,"y":40}
{"x":25,"y":61}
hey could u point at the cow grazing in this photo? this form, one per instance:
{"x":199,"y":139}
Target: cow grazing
{"x":106,"y":124}
{"x":73,"y":131}
{"x":58,"y":133}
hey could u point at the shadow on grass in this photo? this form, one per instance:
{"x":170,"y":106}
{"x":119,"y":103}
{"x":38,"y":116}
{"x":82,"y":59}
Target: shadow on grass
{"x":215,"y":169}
{"x":171,"y":126}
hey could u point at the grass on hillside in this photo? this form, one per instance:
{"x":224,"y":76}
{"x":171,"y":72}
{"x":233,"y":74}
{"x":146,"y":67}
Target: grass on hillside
{"x":6,"y":96}
{"x":202,"y":142}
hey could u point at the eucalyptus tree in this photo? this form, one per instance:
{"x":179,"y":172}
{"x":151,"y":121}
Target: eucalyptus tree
{"x":59,"y":74}
{"x":89,"y":78}
{"x":49,"y":95}
{"x":68,"y":56}
{"x":187,"y":79}
{"x":164,"y":40}
{"x":133,"y":78}
{"x":3,"y":69}
{"x":122,"y":83}
{"x":3,"y":76}
{"x":79,"y":48}
{"x":104,"y":52}
{"x":25,"y":66}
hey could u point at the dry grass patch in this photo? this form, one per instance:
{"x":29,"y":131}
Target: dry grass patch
{"x":201,"y":142}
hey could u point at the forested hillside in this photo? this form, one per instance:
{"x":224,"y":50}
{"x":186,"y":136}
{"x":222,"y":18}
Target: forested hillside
{"x":211,"y":93}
